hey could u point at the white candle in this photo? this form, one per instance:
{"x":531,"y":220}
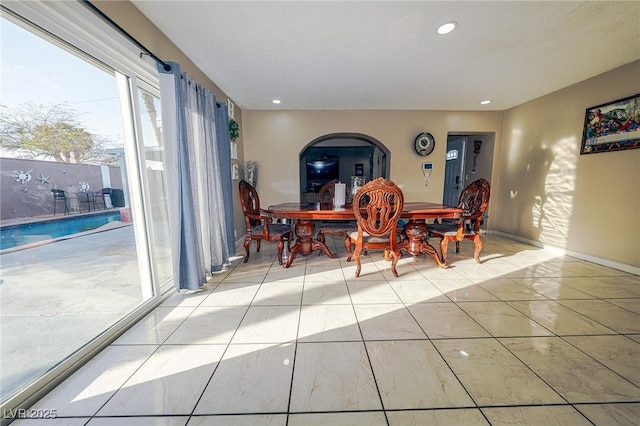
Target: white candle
{"x":339,"y":195}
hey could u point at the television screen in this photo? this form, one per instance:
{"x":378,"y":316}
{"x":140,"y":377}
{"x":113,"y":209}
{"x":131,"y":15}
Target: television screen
{"x":322,"y":170}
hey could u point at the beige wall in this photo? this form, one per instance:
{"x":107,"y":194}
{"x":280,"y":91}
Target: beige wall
{"x":545,"y":191}
{"x":275,"y":139}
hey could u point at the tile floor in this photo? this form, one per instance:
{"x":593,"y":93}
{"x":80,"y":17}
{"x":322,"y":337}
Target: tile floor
{"x":527,"y":337}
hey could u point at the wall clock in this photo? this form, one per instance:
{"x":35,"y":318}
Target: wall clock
{"x":424,"y":144}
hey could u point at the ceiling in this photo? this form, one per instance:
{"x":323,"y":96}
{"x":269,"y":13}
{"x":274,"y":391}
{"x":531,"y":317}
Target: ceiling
{"x":386,"y":55}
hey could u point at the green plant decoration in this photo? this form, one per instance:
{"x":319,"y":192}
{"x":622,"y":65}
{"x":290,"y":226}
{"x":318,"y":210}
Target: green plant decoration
{"x":234,"y":130}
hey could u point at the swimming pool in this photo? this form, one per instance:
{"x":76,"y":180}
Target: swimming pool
{"x":27,"y":233}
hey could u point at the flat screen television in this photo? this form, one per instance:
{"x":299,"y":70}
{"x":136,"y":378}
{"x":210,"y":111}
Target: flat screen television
{"x":322,"y":171}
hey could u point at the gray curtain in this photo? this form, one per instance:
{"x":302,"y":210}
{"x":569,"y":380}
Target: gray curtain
{"x":199,"y":168}
{"x":224,"y":149}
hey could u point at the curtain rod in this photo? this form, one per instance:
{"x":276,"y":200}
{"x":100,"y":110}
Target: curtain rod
{"x":122,"y":31}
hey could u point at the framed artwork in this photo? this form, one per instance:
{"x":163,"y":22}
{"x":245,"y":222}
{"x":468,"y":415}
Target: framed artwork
{"x":613,"y":126}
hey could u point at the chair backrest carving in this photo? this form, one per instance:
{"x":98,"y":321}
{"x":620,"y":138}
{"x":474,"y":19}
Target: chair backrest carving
{"x":474,"y":199}
{"x":327,"y":192}
{"x":250,"y":203}
{"x":380,"y":203}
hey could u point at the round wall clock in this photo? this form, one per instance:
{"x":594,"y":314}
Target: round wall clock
{"x":424,"y":144}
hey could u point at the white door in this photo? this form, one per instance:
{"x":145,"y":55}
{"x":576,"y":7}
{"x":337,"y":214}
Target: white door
{"x":454,"y":171}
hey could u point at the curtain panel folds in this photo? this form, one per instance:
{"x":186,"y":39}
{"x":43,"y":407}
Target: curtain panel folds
{"x":198,"y":158}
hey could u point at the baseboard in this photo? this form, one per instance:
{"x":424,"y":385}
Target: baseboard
{"x":583,"y":256}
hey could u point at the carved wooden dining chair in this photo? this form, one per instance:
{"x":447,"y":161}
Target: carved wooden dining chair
{"x":333,"y":228}
{"x":259,"y":224}
{"x":473,"y":201}
{"x":377,"y":207}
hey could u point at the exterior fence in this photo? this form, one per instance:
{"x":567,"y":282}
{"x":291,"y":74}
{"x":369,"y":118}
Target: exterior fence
{"x":25,"y":185}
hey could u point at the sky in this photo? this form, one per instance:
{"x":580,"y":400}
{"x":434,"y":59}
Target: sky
{"x":35,"y":70}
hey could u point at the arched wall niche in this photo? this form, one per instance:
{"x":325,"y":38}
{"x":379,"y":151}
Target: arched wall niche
{"x":340,"y":156}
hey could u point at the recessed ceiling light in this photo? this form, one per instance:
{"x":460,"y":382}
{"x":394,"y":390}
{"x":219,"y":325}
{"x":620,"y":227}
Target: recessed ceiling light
{"x":487,"y":102}
{"x":447,"y":28}
{"x":276,"y":101}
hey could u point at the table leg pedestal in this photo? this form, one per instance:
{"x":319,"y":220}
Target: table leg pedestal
{"x":416,"y":241}
{"x":305,"y":244}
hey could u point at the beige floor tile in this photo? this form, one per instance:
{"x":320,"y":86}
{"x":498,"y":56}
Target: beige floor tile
{"x":535,"y":270}
{"x":573,"y":374}
{"x":156,"y":327}
{"x":387,"y":322}
{"x":169,"y":382}
{"x":500,"y":319}
{"x":464,"y":291}
{"x":372,"y":292}
{"x":508,"y":289}
{"x":446,"y":320}
{"x":607,"y":314}
{"x":552,"y":288}
{"x":322,"y":383}
{"x":279,"y":293}
{"x":406,"y":272}
{"x":139,"y":421}
{"x":481,"y":272}
{"x":411,"y":375}
{"x":494,"y":376}
{"x":559,"y":319}
{"x":430,"y":270}
{"x":255,"y":273}
{"x":294,"y":273}
{"x":75,"y":421}
{"x":89,"y":388}
{"x":612,"y":414}
{"x":324,"y":272}
{"x":619,"y":353}
{"x":632,"y":305}
{"x":239,"y":420}
{"x":369,"y":418}
{"x":323,"y":323}
{"x":335,"y":293}
{"x":250,"y":379}
{"x":207,"y":325}
{"x":421,"y":291}
{"x":605,"y":287}
{"x":635,"y":337}
{"x":234,"y":294}
{"x":466,"y":417}
{"x":189,"y":298}
{"x":268,"y":324}
{"x":589,"y":269}
{"x":560,"y":415}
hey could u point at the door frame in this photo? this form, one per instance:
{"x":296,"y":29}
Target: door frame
{"x":476,"y":164}
{"x":454,"y":167}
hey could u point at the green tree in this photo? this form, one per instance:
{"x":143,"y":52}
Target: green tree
{"x":50,"y":132}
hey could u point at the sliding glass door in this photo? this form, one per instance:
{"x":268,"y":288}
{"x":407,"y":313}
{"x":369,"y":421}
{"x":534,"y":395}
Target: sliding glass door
{"x":85,"y":239}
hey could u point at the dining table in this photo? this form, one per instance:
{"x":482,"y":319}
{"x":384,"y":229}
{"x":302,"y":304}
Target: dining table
{"x":415,"y":231}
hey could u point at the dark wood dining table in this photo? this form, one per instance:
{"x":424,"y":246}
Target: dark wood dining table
{"x":415,"y":230}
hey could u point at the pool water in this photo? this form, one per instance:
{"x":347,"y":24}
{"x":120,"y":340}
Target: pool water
{"x":26,"y":233}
